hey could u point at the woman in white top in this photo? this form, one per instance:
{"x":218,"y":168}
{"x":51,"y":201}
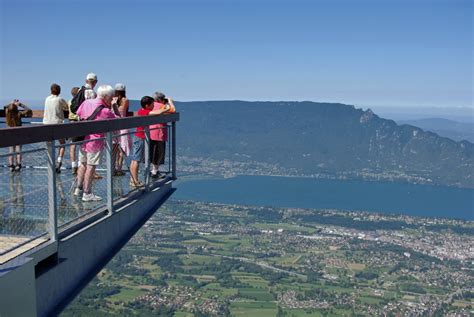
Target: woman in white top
{"x":124,"y":142}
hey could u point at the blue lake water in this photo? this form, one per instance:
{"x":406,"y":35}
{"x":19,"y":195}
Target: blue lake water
{"x":385,"y":197}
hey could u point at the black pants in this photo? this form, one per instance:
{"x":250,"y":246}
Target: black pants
{"x":157,"y":152}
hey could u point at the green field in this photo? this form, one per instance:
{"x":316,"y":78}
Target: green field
{"x":256,"y":294}
{"x":126,"y":295}
{"x":214,"y":289}
{"x":303,"y":313}
{"x":260,"y":309}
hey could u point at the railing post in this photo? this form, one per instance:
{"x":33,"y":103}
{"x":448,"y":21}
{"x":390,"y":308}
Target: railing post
{"x":173,"y":149}
{"x":52,"y":204}
{"x":109,"y":147}
{"x":147,"y":158}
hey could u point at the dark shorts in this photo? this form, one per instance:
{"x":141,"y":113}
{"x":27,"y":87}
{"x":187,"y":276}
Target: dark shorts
{"x":77,"y":138}
{"x":157,"y":152}
{"x":138,"y":149}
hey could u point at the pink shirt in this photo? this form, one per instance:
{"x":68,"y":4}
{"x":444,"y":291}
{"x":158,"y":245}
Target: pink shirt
{"x":84,"y":111}
{"x":160,"y":134}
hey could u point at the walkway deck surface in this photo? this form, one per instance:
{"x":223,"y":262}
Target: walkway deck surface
{"x":8,"y":242}
{"x":24,"y":203}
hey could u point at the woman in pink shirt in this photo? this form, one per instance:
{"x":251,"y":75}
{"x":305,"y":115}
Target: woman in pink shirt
{"x":90,"y":151}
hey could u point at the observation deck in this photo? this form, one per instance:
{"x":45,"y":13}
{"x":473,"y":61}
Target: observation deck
{"x":51,"y":242}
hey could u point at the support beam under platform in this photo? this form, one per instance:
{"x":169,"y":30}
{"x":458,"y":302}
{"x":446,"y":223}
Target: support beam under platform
{"x":81,"y":254}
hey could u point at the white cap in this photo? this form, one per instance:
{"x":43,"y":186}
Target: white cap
{"x":91,"y":76}
{"x":120,"y":87}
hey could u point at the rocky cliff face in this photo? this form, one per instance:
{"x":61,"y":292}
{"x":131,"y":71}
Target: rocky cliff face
{"x":315,"y":138}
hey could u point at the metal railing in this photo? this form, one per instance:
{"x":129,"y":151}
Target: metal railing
{"x":36,"y":202}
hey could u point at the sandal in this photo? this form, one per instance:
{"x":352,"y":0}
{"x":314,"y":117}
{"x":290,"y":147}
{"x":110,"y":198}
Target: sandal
{"x":136,"y":184}
{"x":119,"y":173}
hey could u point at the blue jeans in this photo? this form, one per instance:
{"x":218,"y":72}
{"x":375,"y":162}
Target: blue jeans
{"x":138,"y":149}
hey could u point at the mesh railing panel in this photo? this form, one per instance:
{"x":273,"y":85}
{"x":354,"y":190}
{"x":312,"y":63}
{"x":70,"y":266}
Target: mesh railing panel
{"x":24,"y":193}
{"x":23,"y":197}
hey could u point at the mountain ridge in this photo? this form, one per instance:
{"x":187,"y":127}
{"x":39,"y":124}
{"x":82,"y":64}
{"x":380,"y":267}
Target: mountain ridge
{"x":331,"y":138}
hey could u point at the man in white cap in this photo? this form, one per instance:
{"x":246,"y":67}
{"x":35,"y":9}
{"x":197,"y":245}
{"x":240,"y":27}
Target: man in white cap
{"x":89,"y":93}
{"x":91,"y":81}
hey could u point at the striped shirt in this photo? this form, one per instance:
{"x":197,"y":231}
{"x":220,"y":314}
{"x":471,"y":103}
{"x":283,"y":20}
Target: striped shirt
{"x":89,"y":93}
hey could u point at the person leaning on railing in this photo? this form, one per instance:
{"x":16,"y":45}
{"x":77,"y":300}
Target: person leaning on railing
{"x":86,"y":92}
{"x":138,"y":150}
{"x":13,"y":116}
{"x":90,"y":151}
{"x":159,"y":134}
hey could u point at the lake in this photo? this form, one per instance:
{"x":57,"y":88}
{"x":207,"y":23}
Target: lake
{"x":385,"y":197}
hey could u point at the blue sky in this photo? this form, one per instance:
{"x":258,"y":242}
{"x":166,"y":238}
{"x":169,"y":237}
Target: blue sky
{"x":394,"y":53}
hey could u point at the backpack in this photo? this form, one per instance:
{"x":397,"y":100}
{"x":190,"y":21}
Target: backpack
{"x":78,"y":99}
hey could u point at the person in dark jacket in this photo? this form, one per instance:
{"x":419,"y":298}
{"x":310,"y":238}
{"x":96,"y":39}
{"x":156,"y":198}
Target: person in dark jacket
{"x":14,"y":111}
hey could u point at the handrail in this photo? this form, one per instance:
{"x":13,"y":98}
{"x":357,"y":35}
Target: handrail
{"x":40,"y":113}
{"x":50,"y":132}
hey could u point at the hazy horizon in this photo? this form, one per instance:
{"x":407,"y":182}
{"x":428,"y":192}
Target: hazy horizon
{"x":458,"y":114}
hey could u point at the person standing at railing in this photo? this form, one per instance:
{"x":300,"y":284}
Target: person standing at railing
{"x":159,"y":134}
{"x":123,"y":144}
{"x":138,"y":138}
{"x":90,"y":151}
{"x":13,"y":119}
{"x":73,"y":118}
{"x":86,"y":92}
{"x":54,"y":107}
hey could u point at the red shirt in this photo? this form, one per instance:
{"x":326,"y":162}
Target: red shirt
{"x":141,"y":130}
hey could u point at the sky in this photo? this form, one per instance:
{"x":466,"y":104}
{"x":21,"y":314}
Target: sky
{"x":386,"y":53}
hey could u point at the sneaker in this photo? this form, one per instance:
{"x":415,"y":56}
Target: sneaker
{"x":11,"y":167}
{"x":74,"y":170}
{"x":78,"y":191}
{"x":17,"y":167}
{"x":155,"y":175}
{"x":58,"y":167}
{"x":90,"y":197}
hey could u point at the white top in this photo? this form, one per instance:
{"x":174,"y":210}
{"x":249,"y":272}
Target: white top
{"x":89,"y":93}
{"x":54,"y":107}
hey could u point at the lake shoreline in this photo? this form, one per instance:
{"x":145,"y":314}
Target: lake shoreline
{"x":421,"y":200}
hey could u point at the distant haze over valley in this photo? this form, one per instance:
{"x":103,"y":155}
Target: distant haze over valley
{"x":460,"y":114}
